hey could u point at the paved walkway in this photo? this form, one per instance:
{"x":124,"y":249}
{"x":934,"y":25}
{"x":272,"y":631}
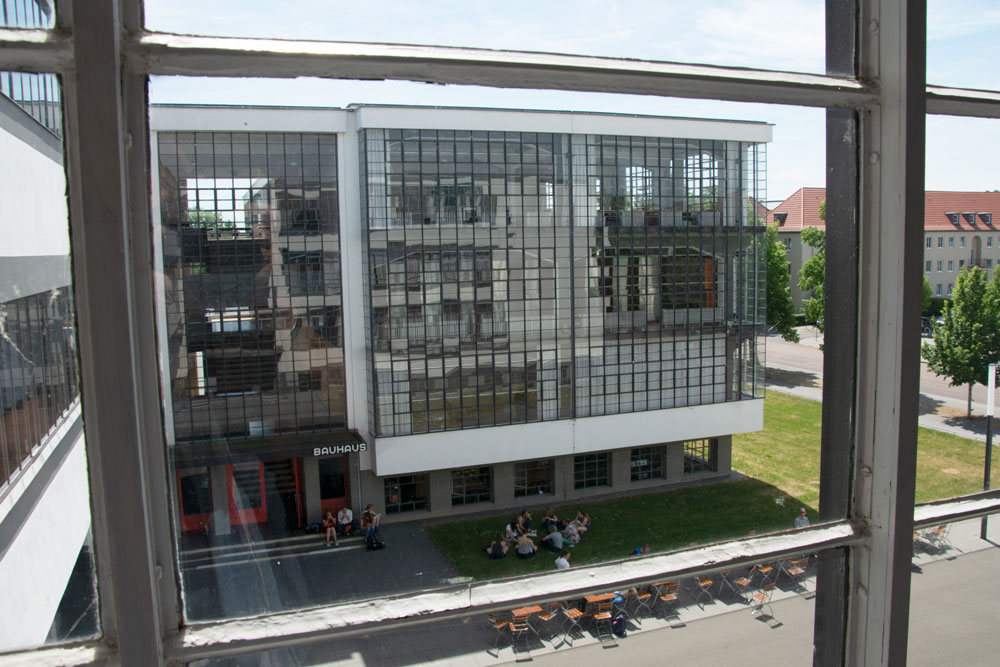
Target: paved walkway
{"x":954,"y":606}
{"x":942,"y":413}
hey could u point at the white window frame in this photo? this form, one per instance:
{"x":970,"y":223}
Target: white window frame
{"x":876,"y":95}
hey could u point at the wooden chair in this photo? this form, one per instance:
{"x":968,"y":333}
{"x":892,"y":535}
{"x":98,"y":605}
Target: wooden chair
{"x":573,"y":619}
{"x":762,"y":599}
{"x":498,"y":630}
{"x":667,"y":596}
{"x":639,"y":602}
{"x":745,"y":583}
{"x":603,"y":618}
{"x":543,"y":622}
{"x":702,"y":590}
{"x":520,"y":633}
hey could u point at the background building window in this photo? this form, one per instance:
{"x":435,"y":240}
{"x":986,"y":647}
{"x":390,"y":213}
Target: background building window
{"x":701,"y":456}
{"x":471,"y":485}
{"x":534,"y":478}
{"x":927,"y":266}
{"x":406,"y":493}
{"x":591,"y":470}
{"x":647,"y":463}
{"x":928,"y":241}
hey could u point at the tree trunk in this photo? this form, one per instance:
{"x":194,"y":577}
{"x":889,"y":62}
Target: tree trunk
{"x":968,"y":414}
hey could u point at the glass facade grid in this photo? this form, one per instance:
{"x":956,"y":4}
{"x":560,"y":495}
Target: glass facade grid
{"x":38,"y":373}
{"x":591,"y":470}
{"x":250,"y":226}
{"x":701,"y":456}
{"x":515,"y":277}
{"x":534,"y":478}
{"x":406,"y":493}
{"x":647,"y":463}
{"x":471,"y":485}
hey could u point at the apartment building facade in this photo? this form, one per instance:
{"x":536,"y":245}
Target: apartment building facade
{"x":959,"y":232}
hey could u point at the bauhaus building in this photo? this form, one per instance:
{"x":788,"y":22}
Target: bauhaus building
{"x":441,"y":311}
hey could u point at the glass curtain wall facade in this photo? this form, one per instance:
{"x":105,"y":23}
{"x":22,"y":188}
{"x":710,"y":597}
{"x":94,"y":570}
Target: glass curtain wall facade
{"x":36,"y":93}
{"x":519,"y":277}
{"x":38,"y":374}
{"x":251,"y":238}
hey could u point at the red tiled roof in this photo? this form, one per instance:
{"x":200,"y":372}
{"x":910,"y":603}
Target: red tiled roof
{"x":802,"y":210}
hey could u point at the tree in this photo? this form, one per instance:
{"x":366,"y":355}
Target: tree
{"x":966,"y":342}
{"x":812,"y":275}
{"x":780,"y":311}
{"x":925,"y":305}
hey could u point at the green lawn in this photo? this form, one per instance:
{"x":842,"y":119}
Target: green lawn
{"x":783,"y":464}
{"x":786,"y":454}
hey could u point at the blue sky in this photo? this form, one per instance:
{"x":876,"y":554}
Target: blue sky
{"x":775,"y":34}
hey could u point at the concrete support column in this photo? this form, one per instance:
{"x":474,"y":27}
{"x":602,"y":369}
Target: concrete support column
{"x":220,"y":500}
{"x":675,"y":462}
{"x":503,"y":485}
{"x":724,"y":454}
{"x":621,"y":471}
{"x":310,"y":489}
{"x":440,"y":482}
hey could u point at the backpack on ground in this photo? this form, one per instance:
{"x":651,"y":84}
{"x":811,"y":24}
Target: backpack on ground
{"x":374,"y":544}
{"x":618,"y":626}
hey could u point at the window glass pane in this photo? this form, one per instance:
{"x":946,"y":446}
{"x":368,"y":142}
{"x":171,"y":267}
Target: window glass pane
{"x":619,"y":30}
{"x":46,"y":561}
{"x":958,"y":44}
{"x":512,"y":280}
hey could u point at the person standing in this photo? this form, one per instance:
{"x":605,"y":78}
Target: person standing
{"x":562,"y":563}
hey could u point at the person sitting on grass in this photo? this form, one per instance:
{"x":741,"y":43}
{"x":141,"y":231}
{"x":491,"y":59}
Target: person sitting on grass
{"x":554,"y":540}
{"x":511,"y":531}
{"x":572,"y":534}
{"x":525,"y":547}
{"x":640,"y":551}
{"x":498,"y":548}
{"x":524,"y":524}
{"x":582,"y":521}
{"x":801,"y":521}
{"x":550,"y":519}
{"x":562,"y":563}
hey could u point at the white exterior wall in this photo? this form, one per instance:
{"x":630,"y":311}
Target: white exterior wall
{"x":34,"y":194}
{"x":519,"y":442}
{"x":38,"y":562}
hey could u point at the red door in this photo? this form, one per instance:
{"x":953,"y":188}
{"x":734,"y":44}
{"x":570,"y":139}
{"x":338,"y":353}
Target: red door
{"x":194,"y":492}
{"x":245,"y":483}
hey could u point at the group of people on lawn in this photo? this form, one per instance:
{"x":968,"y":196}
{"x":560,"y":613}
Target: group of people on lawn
{"x":559,"y":536}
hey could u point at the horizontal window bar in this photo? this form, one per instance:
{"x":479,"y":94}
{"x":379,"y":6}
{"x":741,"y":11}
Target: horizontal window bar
{"x":83,"y":653}
{"x":963,"y":102}
{"x":167,"y":54}
{"x":24,"y":50}
{"x":288,"y":629}
{"x":956,"y":509}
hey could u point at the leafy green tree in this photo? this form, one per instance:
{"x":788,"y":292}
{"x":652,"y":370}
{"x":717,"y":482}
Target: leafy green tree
{"x":780,"y":311}
{"x":208,"y":219}
{"x":966,"y":342}
{"x":925,"y":306}
{"x":812,"y":275}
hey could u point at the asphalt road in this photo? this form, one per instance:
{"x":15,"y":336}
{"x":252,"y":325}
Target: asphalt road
{"x":807,"y":358}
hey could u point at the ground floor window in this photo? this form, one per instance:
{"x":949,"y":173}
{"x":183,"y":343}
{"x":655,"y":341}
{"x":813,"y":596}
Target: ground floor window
{"x":590,"y":470}
{"x":406,"y":493}
{"x":534,"y":478}
{"x":701,"y":456}
{"x":647,"y":463}
{"x":471,"y":485}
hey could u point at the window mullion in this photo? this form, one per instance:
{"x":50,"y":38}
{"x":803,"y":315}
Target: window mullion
{"x":107,"y":328}
{"x":893,"y":52}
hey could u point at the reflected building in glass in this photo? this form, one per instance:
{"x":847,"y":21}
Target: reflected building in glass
{"x":437,"y":311}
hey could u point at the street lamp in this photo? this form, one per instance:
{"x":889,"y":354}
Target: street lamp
{"x":992,"y":376}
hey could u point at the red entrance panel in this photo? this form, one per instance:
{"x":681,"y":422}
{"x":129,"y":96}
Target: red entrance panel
{"x":194,"y":492}
{"x":245,"y":483}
